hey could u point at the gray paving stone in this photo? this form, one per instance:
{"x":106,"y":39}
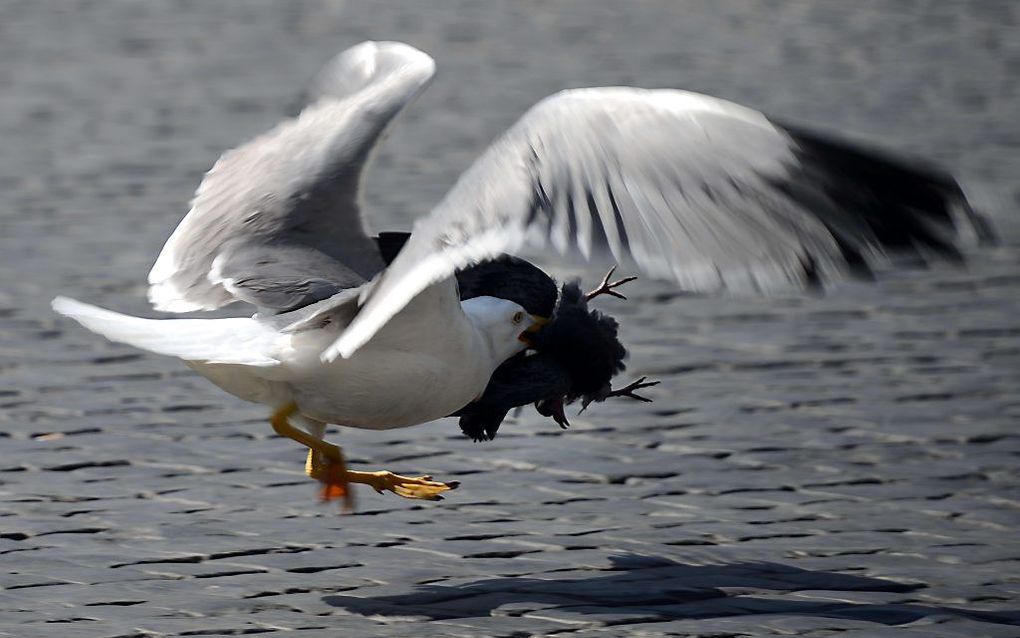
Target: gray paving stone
{"x":843,"y":465}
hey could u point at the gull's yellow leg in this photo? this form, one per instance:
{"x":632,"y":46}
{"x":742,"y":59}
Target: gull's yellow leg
{"x":326,"y":463}
{"x":281,"y":425}
{"x":332,"y":472}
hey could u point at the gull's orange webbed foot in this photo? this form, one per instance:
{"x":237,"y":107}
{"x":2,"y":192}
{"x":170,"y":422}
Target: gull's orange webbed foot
{"x":415,"y":487}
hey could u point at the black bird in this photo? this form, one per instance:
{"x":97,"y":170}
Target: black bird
{"x":573,"y":357}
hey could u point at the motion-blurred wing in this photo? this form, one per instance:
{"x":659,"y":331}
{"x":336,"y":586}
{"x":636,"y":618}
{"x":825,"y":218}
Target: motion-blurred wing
{"x":276,"y":221}
{"x":690,"y":188}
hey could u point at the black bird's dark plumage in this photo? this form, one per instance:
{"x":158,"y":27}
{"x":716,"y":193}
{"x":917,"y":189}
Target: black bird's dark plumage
{"x":513,"y":278}
{"x":506,"y":277}
{"x":519,"y":381}
{"x":584,"y":341}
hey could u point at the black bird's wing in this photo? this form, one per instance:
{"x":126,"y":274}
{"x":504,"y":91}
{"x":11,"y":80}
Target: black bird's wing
{"x":506,"y":277}
{"x":521,"y":380}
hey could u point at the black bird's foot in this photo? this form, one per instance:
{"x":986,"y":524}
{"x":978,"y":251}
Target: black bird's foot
{"x":628,"y":391}
{"x":607,"y":287}
{"x":553,"y":408}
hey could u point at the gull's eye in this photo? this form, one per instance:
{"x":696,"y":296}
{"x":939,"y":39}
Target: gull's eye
{"x":518,"y":317}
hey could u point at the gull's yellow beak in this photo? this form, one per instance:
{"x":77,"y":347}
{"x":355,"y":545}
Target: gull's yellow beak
{"x":536,"y":324}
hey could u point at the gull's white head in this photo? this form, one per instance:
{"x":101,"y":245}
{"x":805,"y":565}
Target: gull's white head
{"x":504,"y":325}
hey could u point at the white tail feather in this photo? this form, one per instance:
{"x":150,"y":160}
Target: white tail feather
{"x":239,"y":340}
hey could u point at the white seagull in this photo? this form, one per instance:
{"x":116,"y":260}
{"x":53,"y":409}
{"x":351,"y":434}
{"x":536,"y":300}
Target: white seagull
{"x":685,"y":187}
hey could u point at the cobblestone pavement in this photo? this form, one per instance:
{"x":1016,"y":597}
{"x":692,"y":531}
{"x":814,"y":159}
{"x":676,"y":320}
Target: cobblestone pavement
{"x":811,"y":466}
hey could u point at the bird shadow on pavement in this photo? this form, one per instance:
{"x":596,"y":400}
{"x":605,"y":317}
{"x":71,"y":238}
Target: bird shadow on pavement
{"x":657,"y":589}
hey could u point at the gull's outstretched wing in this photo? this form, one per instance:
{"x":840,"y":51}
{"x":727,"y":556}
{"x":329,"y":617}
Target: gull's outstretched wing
{"x":276,"y":221}
{"x":686,"y":187}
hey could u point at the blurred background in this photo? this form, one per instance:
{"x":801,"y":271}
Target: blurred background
{"x":872,"y":431}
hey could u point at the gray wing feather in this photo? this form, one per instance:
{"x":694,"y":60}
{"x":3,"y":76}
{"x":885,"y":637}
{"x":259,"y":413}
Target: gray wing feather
{"x":292,"y":192}
{"x":687,"y":187}
{"x":281,"y":277}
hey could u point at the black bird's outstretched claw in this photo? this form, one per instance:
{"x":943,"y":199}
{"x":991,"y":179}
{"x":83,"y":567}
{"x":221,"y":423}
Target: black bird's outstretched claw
{"x":606,"y":288}
{"x":553,"y":408}
{"x":628,"y":391}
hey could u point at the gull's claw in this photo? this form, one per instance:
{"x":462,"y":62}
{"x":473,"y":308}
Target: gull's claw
{"x":606,"y":288}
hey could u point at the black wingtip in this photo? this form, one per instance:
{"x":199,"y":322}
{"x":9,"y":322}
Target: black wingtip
{"x":872,"y":200}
